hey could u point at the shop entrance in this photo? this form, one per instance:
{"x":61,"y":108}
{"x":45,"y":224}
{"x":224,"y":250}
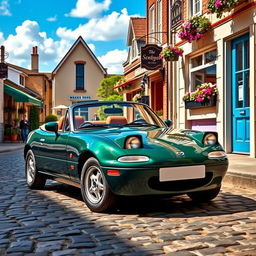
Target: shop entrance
{"x":241,"y":95}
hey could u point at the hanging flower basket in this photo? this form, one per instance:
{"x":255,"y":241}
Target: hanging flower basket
{"x":205,"y":95}
{"x":194,"y":28}
{"x":171,"y":53}
{"x":221,"y":6}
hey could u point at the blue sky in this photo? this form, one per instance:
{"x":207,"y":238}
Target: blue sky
{"x":54,"y":26}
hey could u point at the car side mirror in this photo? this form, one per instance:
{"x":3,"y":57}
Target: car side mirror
{"x":52,"y":127}
{"x":169,"y":123}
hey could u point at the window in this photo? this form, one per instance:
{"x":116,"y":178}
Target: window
{"x":159,"y":20}
{"x":195,"y":7}
{"x":140,"y":44}
{"x":22,"y":80}
{"x":151,"y":24}
{"x":203,"y":69}
{"x":134,"y":49}
{"x":79,"y":76}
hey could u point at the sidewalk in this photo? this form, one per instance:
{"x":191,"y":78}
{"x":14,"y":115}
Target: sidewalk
{"x":241,"y":171}
{"x":11,"y":146}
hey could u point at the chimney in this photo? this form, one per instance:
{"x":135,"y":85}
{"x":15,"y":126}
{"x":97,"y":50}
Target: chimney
{"x":34,"y":59}
{"x":2,"y":53}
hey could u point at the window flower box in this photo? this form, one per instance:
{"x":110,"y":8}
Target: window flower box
{"x":205,"y":95}
{"x":221,"y":6}
{"x":195,"y":104}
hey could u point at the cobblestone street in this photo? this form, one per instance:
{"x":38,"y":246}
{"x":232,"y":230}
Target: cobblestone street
{"x":56,"y":222}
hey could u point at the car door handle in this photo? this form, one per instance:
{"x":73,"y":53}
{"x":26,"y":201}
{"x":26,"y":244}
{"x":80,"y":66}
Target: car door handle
{"x":42,"y":140}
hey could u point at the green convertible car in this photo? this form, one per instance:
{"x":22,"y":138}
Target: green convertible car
{"x":110,"y":149}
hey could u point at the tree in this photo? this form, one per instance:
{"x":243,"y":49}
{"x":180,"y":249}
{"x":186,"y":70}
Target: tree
{"x":106,"y":91}
{"x":34,"y":117}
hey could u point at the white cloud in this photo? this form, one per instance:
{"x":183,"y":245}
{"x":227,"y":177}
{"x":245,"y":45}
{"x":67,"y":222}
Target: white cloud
{"x":111,"y":27}
{"x":92,"y":47}
{"x":52,"y":19}
{"x":113,"y":61}
{"x":4,"y":8}
{"x":89,"y":8}
{"x":28,"y":34}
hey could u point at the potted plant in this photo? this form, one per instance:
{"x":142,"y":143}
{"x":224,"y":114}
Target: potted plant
{"x":205,"y":95}
{"x":220,"y":6}
{"x":7,"y":133}
{"x":171,"y":53}
{"x":194,"y":28}
{"x":14,"y":134}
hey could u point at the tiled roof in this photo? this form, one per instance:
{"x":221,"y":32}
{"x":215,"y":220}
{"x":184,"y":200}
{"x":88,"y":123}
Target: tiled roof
{"x":139,"y":26}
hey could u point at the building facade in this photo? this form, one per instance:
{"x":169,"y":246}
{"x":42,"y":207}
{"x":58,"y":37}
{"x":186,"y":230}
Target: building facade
{"x":20,"y":89}
{"x":77,"y":76}
{"x":225,"y":56}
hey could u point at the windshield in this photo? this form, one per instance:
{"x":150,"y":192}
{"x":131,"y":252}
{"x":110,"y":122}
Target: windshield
{"x":105,"y":114}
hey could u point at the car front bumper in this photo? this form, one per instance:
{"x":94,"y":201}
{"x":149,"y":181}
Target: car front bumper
{"x":145,"y":181}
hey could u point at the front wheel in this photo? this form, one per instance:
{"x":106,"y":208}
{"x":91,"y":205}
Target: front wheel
{"x":94,"y":188}
{"x":204,"y":196}
{"x":34,"y":179}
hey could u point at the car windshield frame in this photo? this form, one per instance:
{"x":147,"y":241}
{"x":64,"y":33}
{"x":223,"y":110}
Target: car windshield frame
{"x":142,"y":110}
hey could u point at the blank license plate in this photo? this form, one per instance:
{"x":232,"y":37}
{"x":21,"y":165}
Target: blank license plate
{"x":182,"y":173}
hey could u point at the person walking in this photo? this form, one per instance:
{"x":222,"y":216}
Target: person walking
{"x":24,"y":126}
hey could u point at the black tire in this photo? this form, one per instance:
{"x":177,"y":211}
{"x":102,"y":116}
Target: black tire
{"x":94,"y":188}
{"x":204,"y":196}
{"x":34,"y":179}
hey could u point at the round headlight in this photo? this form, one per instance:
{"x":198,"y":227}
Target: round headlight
{"x":133,"y":142}
{"x":210,"y":139}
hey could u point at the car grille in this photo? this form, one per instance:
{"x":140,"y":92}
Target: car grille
{"x":178,"y":185}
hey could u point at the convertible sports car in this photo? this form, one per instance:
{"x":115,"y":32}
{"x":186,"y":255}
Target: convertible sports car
{"x":111,"y":149}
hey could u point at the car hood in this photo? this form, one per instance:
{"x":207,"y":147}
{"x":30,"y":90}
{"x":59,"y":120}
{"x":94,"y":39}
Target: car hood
{"x":175,"y":140}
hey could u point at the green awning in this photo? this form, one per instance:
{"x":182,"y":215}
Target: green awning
{"x":20,"y":96}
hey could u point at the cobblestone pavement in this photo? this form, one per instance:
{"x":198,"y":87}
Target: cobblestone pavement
{"x":56,"y":222}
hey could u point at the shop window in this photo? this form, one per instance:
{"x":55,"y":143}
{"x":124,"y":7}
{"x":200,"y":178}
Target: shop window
{"x":79,"y":76}
{"x":159,"y":21}
{"x":194,"y":7}
{"x":151,"y":24}
{"x":203,"y":69}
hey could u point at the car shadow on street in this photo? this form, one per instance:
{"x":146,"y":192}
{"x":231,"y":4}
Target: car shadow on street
{"x":175,"y":206}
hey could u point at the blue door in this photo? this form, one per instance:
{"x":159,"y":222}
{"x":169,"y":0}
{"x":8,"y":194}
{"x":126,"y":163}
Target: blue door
{"x":241,"y":94}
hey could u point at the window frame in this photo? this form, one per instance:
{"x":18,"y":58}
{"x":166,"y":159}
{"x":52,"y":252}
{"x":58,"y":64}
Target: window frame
{"x":78,"y":88}
{"x":191,"y":4}
{"x":159,"y":20}
{"x":151,"y":23}
{"x":202,"y":66}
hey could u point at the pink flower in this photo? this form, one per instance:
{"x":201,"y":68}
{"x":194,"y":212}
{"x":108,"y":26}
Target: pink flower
{"x":218,"y":3}
{"x":199,"y":99}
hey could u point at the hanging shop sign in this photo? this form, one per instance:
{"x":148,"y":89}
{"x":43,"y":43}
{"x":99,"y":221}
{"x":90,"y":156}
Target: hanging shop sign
{"x":150,"y":57}
{"x":3,"y":70}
